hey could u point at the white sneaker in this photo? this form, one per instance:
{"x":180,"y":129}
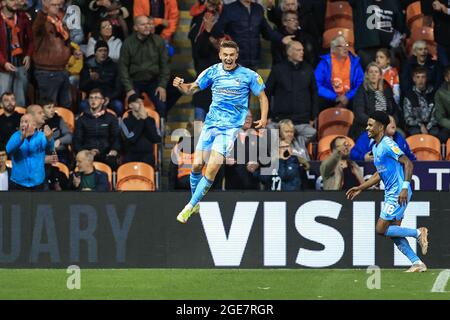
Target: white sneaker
{"x":417,"y":267}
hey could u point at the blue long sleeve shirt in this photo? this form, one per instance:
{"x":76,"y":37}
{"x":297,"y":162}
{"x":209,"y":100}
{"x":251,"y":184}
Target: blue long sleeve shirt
{"x":28,"y":158}
{"x":362,"y":146}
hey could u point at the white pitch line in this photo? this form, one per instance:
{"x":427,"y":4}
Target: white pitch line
{"x":441,"y":281}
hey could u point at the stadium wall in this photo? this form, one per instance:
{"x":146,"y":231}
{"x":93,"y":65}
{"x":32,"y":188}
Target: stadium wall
{"x":234,"y":229}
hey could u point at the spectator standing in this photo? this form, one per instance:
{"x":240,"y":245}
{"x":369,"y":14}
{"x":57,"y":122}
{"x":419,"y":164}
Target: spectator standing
{"x":338,"y":171}
{"x":72,"y":19}
{"x":292,"y":87}
{"x":440,"y":11}
{"x":244,"y":22}
{"x":115,"y":12}
{"x":442,"y":104}
{"x":377,"y":24}
{"x":10,"y":119}
{"x":144,"y":64}
{"x":51,"y":54}
{"x":204,"y":51}
{"x":27,"y":148}
{"x":291,"y":27}
{"x":16,"y":49}
{"x":164,"y":12}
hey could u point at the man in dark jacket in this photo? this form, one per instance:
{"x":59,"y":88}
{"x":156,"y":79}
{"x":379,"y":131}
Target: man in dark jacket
{"x":418,"y":106}
{"x":98,"y":130}
{"x":440,"y":10}
{"x":88,"y":178}
{"x":101,"y":72}
{"x":144,"y":63}
{"x":16,"y":48}
{"x":293,"y":89}
{"x":244,"y":22}
{"x":51,"y":53}
{"x":291,"y":27}
{"x":10,"y":119}
{"x":139,"y":132}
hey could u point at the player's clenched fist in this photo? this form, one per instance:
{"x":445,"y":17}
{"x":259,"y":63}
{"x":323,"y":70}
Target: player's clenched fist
{"x":177,"y":82}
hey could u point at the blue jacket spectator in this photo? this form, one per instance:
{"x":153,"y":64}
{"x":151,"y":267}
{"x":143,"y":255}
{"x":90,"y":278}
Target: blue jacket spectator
{"x":363,"y":146}
{"x":28,"y":154}
{"x":323,"y":77}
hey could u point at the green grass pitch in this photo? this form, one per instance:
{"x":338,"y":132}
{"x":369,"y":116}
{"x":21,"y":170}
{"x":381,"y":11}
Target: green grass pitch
{"x":215,"y":284}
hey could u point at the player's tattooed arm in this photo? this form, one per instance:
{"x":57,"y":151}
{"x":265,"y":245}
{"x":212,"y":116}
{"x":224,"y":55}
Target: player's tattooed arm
{"x":185,"y":88}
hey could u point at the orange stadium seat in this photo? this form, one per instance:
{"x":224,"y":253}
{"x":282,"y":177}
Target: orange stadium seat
{"x":339,"y":14}
{"x":62,"y":167}
{"x":68,"y":116}
{"x":425,"y":147}
{"x":136,"y":176}
{"x":422,"y":33}
{"x":323,"y":147}
{"x":334,"y":121}
{"x":106,"y":169}
{"x":414,"y":15}
{"x":20,"y":110}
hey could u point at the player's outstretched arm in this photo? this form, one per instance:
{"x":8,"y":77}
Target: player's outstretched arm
{"x":185,"y":88}
{"x":264,"y":107}
{"x":353,"y":192}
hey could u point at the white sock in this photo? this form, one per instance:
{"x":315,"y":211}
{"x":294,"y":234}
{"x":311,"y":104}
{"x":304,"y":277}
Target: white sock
{"x":418,"y":233}
{"x":189,"y":206}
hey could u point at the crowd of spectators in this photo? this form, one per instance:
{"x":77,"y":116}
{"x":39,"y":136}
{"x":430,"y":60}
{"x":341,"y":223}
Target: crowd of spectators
{"x":99,"y":57}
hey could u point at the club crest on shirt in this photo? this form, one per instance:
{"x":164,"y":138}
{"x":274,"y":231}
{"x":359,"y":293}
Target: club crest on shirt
{"x":396,"y":150}
{"x":238,"y":81}
{"x":260,"y":80}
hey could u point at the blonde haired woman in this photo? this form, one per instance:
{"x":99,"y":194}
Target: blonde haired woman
{"x":373,"y":95}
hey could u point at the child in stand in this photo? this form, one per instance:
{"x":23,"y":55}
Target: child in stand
{"x":390,"y":74}
{"x":75,"y":64}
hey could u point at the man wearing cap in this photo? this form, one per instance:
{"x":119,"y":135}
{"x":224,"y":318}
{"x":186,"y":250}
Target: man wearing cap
{"x":101,"y":72}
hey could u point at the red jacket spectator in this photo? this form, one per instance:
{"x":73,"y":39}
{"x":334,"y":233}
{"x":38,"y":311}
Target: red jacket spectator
{"x":171,"y":14}
{"x":25,"y":38}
